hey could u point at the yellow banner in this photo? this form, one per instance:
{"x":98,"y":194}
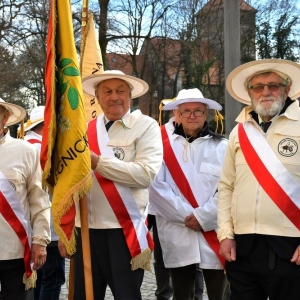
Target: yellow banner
{"x":65,"y":156}
{"x":91,"y":63}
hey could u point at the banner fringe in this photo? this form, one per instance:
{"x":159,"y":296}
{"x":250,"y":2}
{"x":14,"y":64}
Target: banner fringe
{"x":72,"y":197}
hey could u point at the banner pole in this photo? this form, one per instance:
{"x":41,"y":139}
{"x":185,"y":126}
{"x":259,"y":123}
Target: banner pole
{"x":83,"y":204}
{"x":84,"y":15}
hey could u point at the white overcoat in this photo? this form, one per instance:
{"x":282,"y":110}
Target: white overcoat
{"x":182,"y":246}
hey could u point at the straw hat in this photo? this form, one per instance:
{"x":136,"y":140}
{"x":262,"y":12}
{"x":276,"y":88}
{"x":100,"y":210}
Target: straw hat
{"x":192,"y":95}
{"x":16,"y":112}
{"x":236,"y":82}
{"x":36,"y":117}
{"x":138,"y":86}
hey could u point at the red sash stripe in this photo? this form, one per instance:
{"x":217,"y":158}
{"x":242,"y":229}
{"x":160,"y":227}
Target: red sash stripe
{"x":267,"y":181}
{"x":11,"y":218}
{"x":184,"y":187}
{"x":34,"y":141}
{"x":115,"y":199}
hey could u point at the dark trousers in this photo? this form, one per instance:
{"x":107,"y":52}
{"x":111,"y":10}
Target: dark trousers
{"x":111,"y":266}
{"x":263,"y":274}
{"x":11,"y":277}
{"x":51,"y":276}
{"x":183,"y":279}
{"x":164,"y":287}
{"x":217,"y":285}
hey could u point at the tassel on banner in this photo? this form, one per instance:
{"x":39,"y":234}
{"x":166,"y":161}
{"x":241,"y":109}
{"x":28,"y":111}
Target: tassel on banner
{"x":219,"y":119}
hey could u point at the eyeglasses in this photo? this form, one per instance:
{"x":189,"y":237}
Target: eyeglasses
{"x":196,"y":113}
{"x":272,"y":86}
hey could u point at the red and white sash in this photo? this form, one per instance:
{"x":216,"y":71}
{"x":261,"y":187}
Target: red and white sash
{"x":122,"y":202}
{"x":14,"y":214}
{"x":192,"y":188}
{"x":271,"y":174}
{"x":34,"y":141}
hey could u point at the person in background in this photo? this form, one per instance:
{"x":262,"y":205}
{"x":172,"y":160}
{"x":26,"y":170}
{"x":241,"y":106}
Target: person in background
{"x":25,"y":210}
{"x":51,"y":276}
{"x":184,"y":196}
{"x":258,"y":206}
{"x":126,"y":154}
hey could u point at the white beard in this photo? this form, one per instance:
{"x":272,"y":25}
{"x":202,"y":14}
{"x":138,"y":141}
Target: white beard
{"x":270,"y":111}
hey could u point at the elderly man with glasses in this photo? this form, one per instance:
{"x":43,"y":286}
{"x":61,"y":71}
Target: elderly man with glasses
{"x":184,"y":196}
{"x":259,"y":189}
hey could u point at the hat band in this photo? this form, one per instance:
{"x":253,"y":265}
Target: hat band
{"x":29,"y":122}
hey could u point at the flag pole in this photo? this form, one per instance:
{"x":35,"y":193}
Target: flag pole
{"x":84,"y":15}
{"x":83,"y":204}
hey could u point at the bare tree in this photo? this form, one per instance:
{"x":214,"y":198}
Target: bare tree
{"x":9,"y":11}
{"x":170,"y":44}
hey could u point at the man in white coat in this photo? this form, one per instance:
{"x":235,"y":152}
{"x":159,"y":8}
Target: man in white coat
{"x":51,"y":276}
{"x":164,"y":287}
{"x":24,"y":210}
{"x":184,"y":197}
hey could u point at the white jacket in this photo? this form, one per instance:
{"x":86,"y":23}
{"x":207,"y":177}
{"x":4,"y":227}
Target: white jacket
{"x":20,"y":165}
{"x":182,"y":246}
{"x":31,"y":135}
{"x":138,"y":141}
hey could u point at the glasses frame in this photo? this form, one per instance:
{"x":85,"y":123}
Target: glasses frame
{"x":262,"y":85}
{"x":192,"y":113}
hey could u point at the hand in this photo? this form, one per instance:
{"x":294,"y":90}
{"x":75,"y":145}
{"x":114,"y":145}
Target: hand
{"x":228,"y":249}
{"x":296,"y":256}
{"x":94,"y":159}
{"x":192,"y":223}
{"x":62,"y":250}
{"x":38,"y":256}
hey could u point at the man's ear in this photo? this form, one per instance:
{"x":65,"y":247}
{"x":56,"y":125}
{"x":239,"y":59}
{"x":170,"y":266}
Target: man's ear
{"x":5,"y":117}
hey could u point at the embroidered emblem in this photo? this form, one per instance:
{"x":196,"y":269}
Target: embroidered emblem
{"x":13,"y":185}
{"x":287,"y":147}
{"x":119,"y":153}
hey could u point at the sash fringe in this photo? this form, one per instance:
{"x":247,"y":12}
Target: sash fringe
{"x":30,"y":281}
{"x":142,"y":261}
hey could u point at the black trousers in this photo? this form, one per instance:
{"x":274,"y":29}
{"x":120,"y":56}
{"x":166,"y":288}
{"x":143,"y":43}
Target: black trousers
{"x":11,"y":277}
{"x":164,"y":287}
{"x":262,"y":274}
{"x":183,"y":279}
{"x":111,"y":266}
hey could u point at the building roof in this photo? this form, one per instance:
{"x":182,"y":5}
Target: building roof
{"x":219,"y":4}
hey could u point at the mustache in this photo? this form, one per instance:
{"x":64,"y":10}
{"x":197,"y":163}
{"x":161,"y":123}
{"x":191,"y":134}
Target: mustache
{"x":268,"y":98}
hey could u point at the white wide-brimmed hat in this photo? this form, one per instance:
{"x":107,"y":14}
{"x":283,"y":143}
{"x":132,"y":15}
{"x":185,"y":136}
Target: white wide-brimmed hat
{"x":16,"y":112}
{"x":36,"y":117}
{"x":138,"y":86}
{"x":192,"y":95}
{"x":236,"y":82}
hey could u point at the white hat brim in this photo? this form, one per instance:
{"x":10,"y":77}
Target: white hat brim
{"x":236,"y":80}
{"x":33,"y":125}
{"x":211,"y":104}
{"x":17,"y":113}
{"x":138,"y":86}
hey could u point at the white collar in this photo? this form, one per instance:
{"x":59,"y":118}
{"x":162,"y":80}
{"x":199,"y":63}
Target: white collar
{"x":106,"y":120}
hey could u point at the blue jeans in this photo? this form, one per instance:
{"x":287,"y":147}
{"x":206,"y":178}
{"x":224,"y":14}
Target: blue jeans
{"x":51,"y":276}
